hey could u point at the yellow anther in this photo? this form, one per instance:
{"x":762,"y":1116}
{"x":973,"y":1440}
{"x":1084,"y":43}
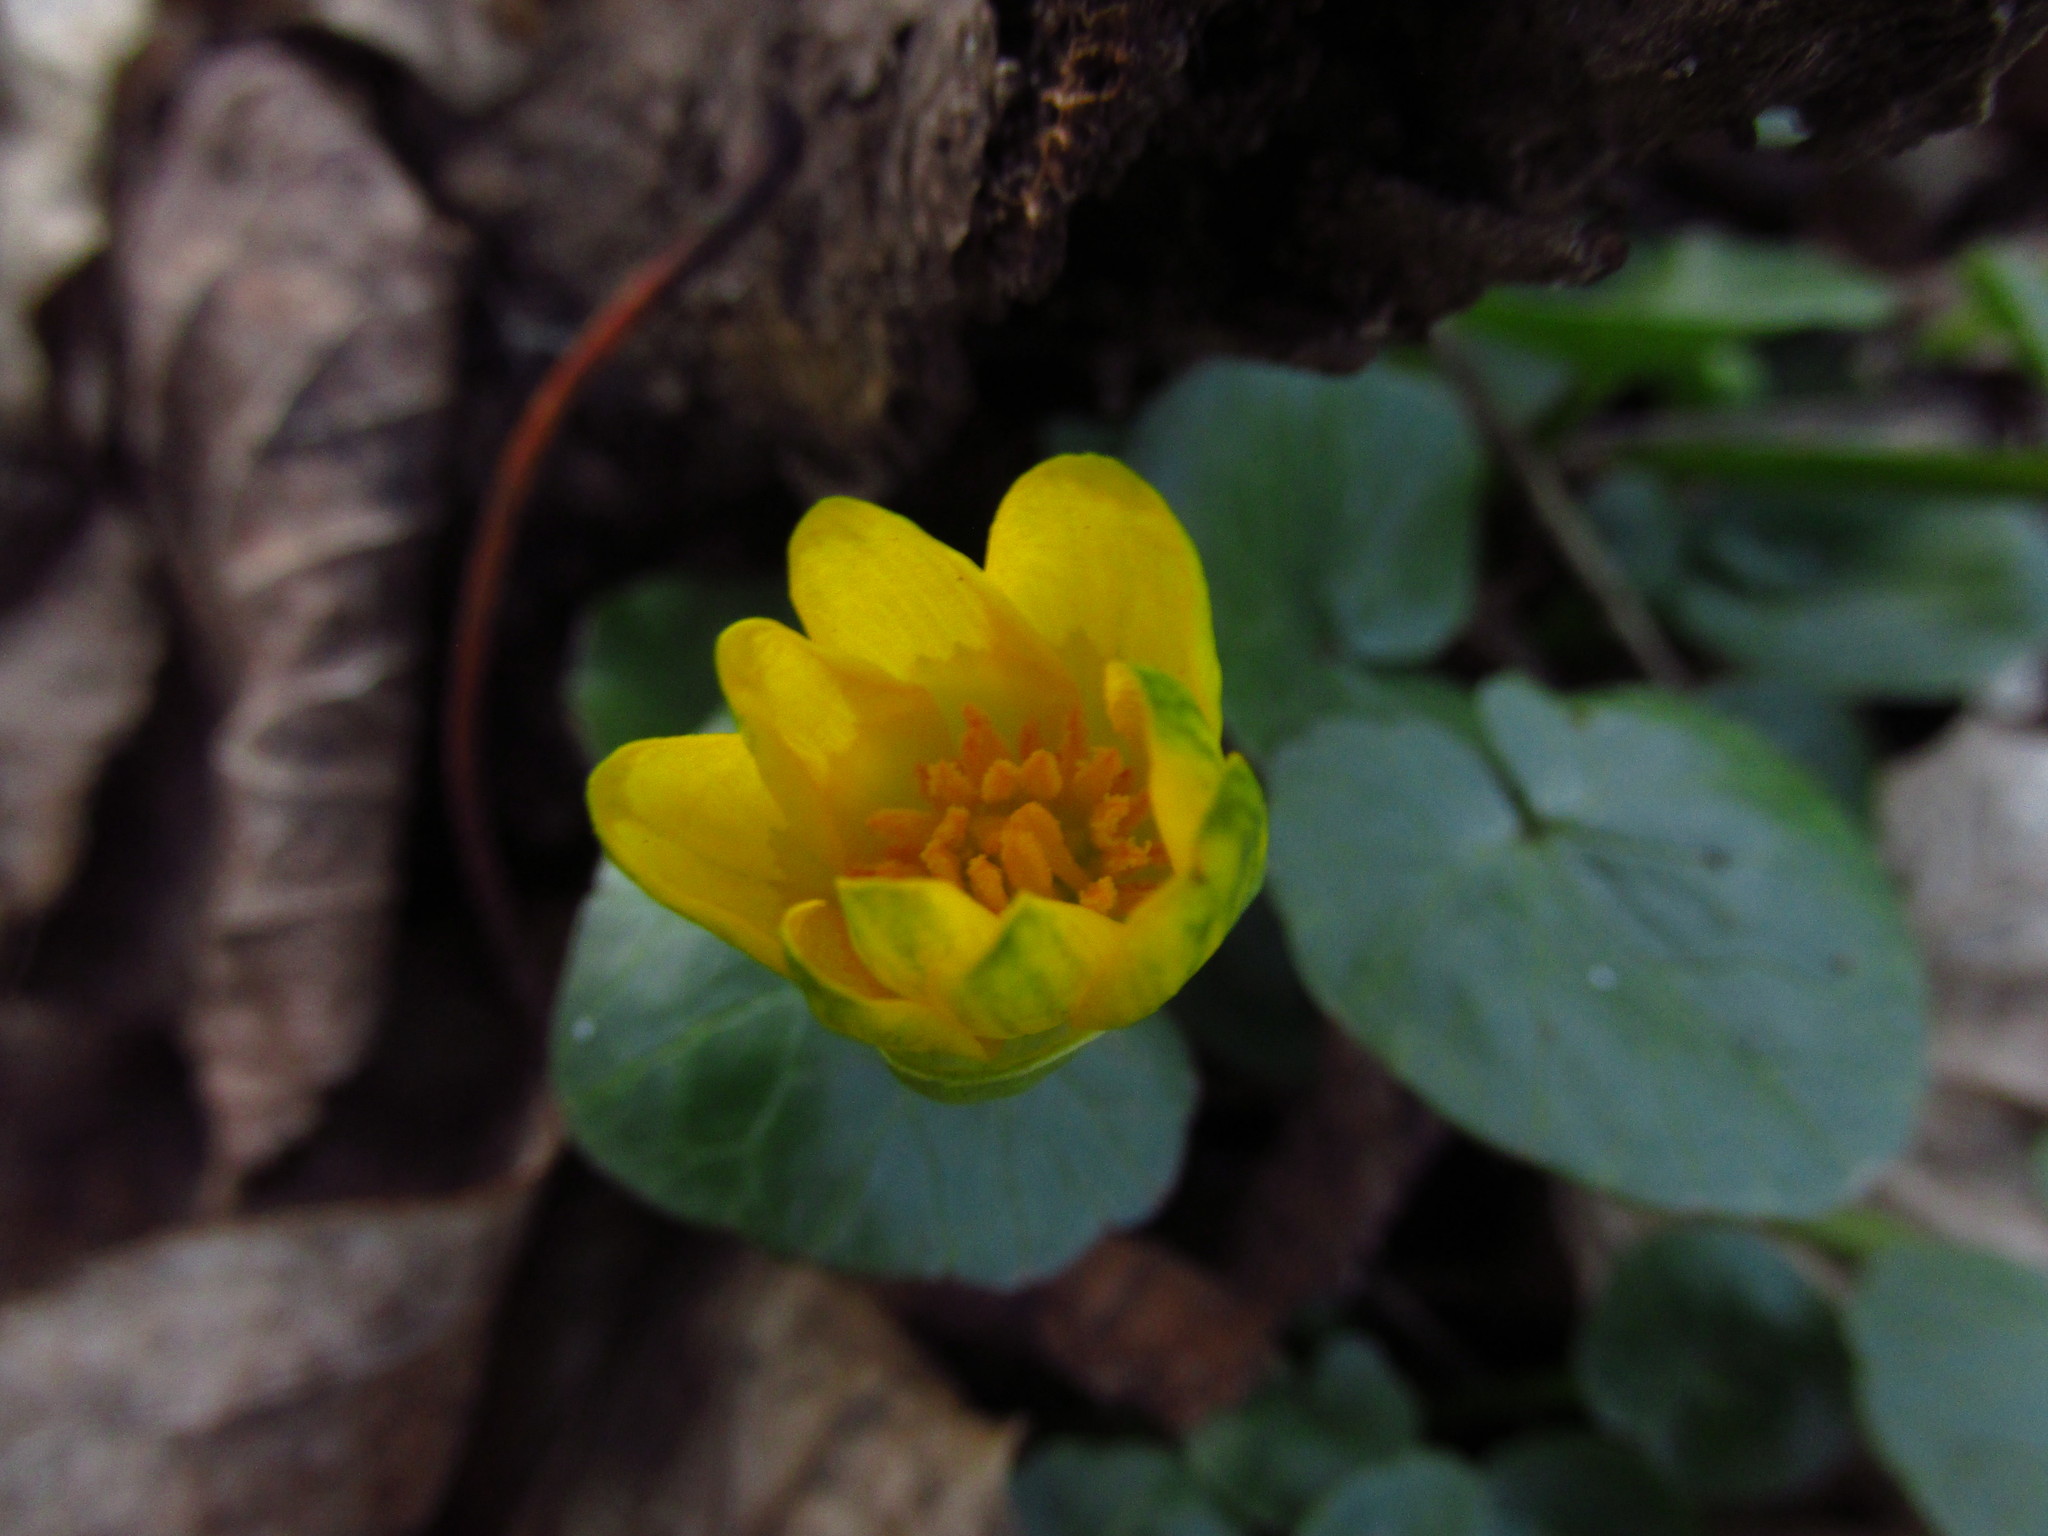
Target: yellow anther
{"x":1100,"y":896}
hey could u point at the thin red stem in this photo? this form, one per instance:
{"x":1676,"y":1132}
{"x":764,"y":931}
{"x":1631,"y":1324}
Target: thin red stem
{"x":473,"y":647}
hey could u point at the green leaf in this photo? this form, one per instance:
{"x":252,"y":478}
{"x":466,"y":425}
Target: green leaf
{"x":1111,"y":1488}
{"x":700,"y":1080}
{"x":1618,"y":935}
{"x":1420,"y":1493}
{"x":1819,"y":733}
{"x":2011,"y":282}
{"x":1747,"y":453}
{"x":1909,"y":600}
{"x":1268,"y":1460}
{"x":1582,"y":1485}
{"x":1680,"y":310}
{"x":644,"y":666}
{"x":1336,"y":519}
{"x":1721,"y":1362}
{"x":1951,"y":1352}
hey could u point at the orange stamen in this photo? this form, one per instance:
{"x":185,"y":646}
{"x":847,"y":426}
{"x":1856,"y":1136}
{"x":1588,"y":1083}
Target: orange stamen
{"x":981,"y":745}
{"x":1040,"y":775}
{"x":1091,"y":780}
{"x":902,"y":829}
{"x":1000,"y":825}
{"x":945,"y":783}
{"x":1073,"y":742}
{"x":1038,"y":823}
{"x":1000,"y":782}
{"x":1024,"y":860}
{"x":985,"y":883}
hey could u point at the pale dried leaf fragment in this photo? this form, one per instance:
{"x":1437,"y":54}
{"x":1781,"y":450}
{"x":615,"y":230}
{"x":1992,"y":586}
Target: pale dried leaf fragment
{"x":306,"y":1372}
{"x":58,"y":63}
{"x":291,"y":302}
{"x":470,"y":53}
{"x":77,"y":661}
{"x":781,"y":1401}
{"x":1965,"y":827}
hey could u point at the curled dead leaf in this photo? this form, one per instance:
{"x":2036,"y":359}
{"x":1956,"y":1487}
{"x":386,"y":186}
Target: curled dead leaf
{"x":309,"y":1371}
{"x":291,"y":300}
{"x":775,"y":1400}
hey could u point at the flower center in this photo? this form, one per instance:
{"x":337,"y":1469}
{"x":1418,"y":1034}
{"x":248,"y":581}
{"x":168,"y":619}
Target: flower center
{"x":1062,"y":823}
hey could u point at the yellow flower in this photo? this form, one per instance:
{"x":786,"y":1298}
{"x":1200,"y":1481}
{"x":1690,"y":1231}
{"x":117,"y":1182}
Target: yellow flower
{"x":977,"y":816}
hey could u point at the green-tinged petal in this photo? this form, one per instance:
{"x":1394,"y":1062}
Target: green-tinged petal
{"x":928,"y":1050}
{"x":1177,"y":928}
{"x":690,"y":820}
{"x":835,"y":737}
{"x":1092,"y":556}
{"x":848,"y":999}
{"x":920,"y":938}
{"x":1042,"y":963}
{"x":874,"y":585}
{"x":1013,"y":1066}
{"x":1183,"y":759}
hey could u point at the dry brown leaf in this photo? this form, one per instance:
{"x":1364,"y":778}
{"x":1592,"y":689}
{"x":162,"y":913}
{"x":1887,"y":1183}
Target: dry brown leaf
{"x":780,"y":1401}
{"x":1135,"y":1325}
{"x":291,"y":304}
{"x":76,"y":663}
{"x":1966,"y":829}
{"x":308,"y":1372}
{"x":831,"y":335}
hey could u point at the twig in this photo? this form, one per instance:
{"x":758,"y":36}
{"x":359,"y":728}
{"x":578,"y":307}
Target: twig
{"x":490,"y":551}
{"x":1568,"y":526}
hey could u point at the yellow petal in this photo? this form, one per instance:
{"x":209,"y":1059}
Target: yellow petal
{"x":848,"y":999}
{"x":1176,"y":929}
{"x":1034,"y":975}
{"x":1183,"y":763}
{"x":918,"y":937}
{"x":835,"y":737}
{"x":874,"y":585}
{"x":691,"y":823}
{"x":1092,"y":556}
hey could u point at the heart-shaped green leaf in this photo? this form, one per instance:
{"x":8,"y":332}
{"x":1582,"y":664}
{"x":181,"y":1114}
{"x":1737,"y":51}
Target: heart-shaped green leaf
{"x":700,"y":1080}
{"x":1721,"y":1362}
{"x":1336,"y":519}
{"x":1272,"y":1457}
{"x":1582,"y":1485}
{"x":1951,"y":1352}
{"x":1112,"y":1488}
{"x":1418,"y":1493}
{"x":643,"y":666}
{"x":1620,"y":936}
